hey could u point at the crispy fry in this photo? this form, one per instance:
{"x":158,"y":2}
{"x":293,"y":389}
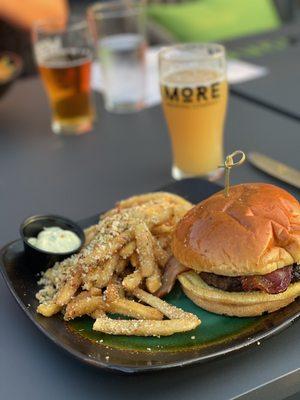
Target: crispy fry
{"x":131,"y":308}
{"x":134,"y":260}
{"x":164,"y":241}
{"x":157,"y":215}
{"x":150,"y":197}
{"x":98,"y":313}
{"x":142,"y":327}
{"x":160,"y":254}
{"x":167,"y":309}
{"x":103,"y":251}
{"x":152,"y":213}
{"x":84,"y":303}
{"x":114,"y":291}
{"x":107,"y":271}
{"x":132,"y":281}
{"x":95,"y":291}
{"x":48,"y":309}
{"x":153,"y":282}
{"x":128,"y":249}
{"x":163,"y":229}
{"x":90,"y":233}
{"x":145,"y":249}
{"x":65,"y":294}
{"x":121,"y":265}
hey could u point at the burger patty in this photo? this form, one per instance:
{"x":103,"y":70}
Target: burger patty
{"x":274,"y":282}
{"x":227,"y":283}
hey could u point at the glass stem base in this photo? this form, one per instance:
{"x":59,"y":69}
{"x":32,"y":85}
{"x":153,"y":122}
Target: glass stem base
{"x":178,"y":174}
{"x":79,"y":128}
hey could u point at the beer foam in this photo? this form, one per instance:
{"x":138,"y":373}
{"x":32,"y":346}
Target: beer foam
{"x":192,"y":77}
{"x":65,"y":58}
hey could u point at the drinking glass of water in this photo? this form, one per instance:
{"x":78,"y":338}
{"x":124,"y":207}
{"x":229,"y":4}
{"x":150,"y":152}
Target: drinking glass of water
{"x":119,"y":30}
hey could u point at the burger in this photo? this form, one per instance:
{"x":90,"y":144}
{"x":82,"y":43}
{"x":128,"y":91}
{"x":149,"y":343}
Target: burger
{"x":239,"y":255}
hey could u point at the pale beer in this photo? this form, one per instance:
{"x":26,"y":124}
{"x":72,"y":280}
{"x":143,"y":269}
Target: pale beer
{"x":194,"y":104}
{"x":194,"y":95}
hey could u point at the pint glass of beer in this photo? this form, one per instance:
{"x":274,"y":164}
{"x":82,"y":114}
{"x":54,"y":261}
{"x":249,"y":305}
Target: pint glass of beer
{"x":64,"y":53}
{"x":194,"y":97}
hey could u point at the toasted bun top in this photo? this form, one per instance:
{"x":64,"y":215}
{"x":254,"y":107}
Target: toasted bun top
{"x":253,"y":231}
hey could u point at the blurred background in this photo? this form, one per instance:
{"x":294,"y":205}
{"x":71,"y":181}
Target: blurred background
{"x":169,"y":21}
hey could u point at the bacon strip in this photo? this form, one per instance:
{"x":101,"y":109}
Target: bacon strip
{"x":172,"y":270}
{"x":274,"y":282}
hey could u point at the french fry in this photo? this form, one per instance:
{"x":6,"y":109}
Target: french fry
{"x":150,"y":197}
{"x":48,"y":309}
{"x":82,"y":304}
{"x":90,"y":233}
{"x":113,"y":292}
{"x":121,"y":265}
{"x":105,"y":248}
{"x":95,"y":291}
{"x":101,"y":275}
{"x":163,"y":229}
{"x":153,"y":213}
{"x":144,"y":249}
{"x":167,"y":309}
{"x":164,"y":241}
{"x":157,"y":215}
{"x":132,"y":281}
{"x":153,"y":282}
{"x":107,"y":271}
{"x":134,"y":260}
{"x":66,"y":292}
{"x":98,"y":313}
{"x":142,"y":327}
{"x":160,"y":254}
{"x":131,"y":308}
{"x":128,"y":249}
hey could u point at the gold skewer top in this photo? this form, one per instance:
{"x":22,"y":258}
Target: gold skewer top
{"x":228,"y":164}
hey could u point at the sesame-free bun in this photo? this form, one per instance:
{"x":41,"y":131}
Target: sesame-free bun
{"x":239,"y":304}
{"x":253,"y":231}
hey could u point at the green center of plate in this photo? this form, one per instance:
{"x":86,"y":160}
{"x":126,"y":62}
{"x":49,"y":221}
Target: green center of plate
{"x":214,"y":329}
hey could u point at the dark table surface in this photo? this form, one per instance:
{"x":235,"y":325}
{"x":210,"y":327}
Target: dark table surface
{"x":80,"y":176}
{"x":279,"y":89}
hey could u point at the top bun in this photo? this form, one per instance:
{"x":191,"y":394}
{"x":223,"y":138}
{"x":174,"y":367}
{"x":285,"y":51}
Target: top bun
{"x":253,"y":231}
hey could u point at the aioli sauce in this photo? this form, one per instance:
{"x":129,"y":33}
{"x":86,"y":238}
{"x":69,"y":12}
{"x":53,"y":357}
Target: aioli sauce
{"x":56,"y":240}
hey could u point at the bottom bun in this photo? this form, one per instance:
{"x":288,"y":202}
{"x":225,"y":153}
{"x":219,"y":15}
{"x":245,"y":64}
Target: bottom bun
{"x":238,"y":304}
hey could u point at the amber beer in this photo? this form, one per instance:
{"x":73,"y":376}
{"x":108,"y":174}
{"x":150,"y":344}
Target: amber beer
{"x":194,"y":103}
{"x":66,"y":75}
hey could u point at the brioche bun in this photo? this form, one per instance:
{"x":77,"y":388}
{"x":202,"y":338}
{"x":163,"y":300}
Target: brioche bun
{"x":253,"y":231}
{"x":238,"y":304}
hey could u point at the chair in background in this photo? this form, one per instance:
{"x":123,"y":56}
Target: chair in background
{"x":216,"y":20}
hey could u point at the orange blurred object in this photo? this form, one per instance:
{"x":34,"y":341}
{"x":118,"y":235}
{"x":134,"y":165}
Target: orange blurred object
{"x":23,"y":13}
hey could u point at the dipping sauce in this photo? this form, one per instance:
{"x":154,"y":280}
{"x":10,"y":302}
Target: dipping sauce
{"x":56,"y":240}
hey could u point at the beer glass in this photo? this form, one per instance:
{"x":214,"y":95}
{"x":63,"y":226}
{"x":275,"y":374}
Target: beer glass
{"x":119,"y":31}
{"x":194,"y":97}
{"x":63,"y":52}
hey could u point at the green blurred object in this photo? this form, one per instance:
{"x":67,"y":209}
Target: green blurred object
{"x":215,"y":20}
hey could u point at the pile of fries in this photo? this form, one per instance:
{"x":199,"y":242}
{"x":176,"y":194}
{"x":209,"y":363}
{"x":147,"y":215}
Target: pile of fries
{"x":120,"y":269}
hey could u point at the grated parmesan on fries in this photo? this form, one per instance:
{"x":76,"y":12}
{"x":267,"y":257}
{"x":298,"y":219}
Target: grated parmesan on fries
{"x":119,"y":270}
